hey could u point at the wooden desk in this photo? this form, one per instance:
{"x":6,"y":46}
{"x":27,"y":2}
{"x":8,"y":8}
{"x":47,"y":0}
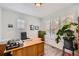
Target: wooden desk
{"x":30,"y":48}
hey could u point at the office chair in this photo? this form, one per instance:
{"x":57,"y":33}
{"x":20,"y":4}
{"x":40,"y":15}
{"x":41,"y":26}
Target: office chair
{"x":2,"y":49}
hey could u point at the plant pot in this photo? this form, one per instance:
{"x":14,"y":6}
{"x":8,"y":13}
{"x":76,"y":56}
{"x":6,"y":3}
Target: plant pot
{"x":68,"y":44}
{"x":41,"y":35}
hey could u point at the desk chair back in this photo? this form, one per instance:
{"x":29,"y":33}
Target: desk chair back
{"x":2,"y":49}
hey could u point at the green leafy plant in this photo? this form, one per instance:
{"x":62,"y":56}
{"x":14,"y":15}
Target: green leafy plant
{"x":41,"y":34}
{"x":67,"y":33}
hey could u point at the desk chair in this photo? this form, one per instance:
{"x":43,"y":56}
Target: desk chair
{"x":2,"y":49}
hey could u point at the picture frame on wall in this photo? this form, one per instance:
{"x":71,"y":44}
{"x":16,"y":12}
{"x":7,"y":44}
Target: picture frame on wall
{"x":36,"y":27}
{"x":10,"y":25}
{"x":31,"y":27}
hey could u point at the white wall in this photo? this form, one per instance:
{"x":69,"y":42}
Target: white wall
{"x":32,"y":21}
{"x":8,"y":17}
{"x":11,"y":17}
{"x":0,"y":25}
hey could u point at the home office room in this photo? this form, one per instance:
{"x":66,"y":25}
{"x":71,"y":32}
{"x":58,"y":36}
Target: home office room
{"x":39,"y":29}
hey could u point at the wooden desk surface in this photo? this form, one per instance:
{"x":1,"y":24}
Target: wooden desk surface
{"x":26,"y":44}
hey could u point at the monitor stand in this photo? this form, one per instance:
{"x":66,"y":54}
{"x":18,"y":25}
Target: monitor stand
{"x":27,"y":40}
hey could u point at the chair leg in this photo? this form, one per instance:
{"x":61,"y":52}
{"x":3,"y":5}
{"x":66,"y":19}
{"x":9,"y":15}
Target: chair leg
{"x":63,"y":51}
{"x":73,"y":52}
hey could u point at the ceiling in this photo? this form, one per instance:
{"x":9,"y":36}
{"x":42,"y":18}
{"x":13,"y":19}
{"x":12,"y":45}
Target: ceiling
{"x":30,"y":9}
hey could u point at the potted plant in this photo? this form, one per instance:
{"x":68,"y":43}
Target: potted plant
{"x":67,"y":33}
{"x":41,"y":35}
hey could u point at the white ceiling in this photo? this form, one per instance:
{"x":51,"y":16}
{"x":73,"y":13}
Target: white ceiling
{"x":30,"y":9}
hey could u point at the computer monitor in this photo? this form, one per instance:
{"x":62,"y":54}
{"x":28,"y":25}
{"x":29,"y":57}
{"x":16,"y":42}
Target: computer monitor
{"x":23,"y":35}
